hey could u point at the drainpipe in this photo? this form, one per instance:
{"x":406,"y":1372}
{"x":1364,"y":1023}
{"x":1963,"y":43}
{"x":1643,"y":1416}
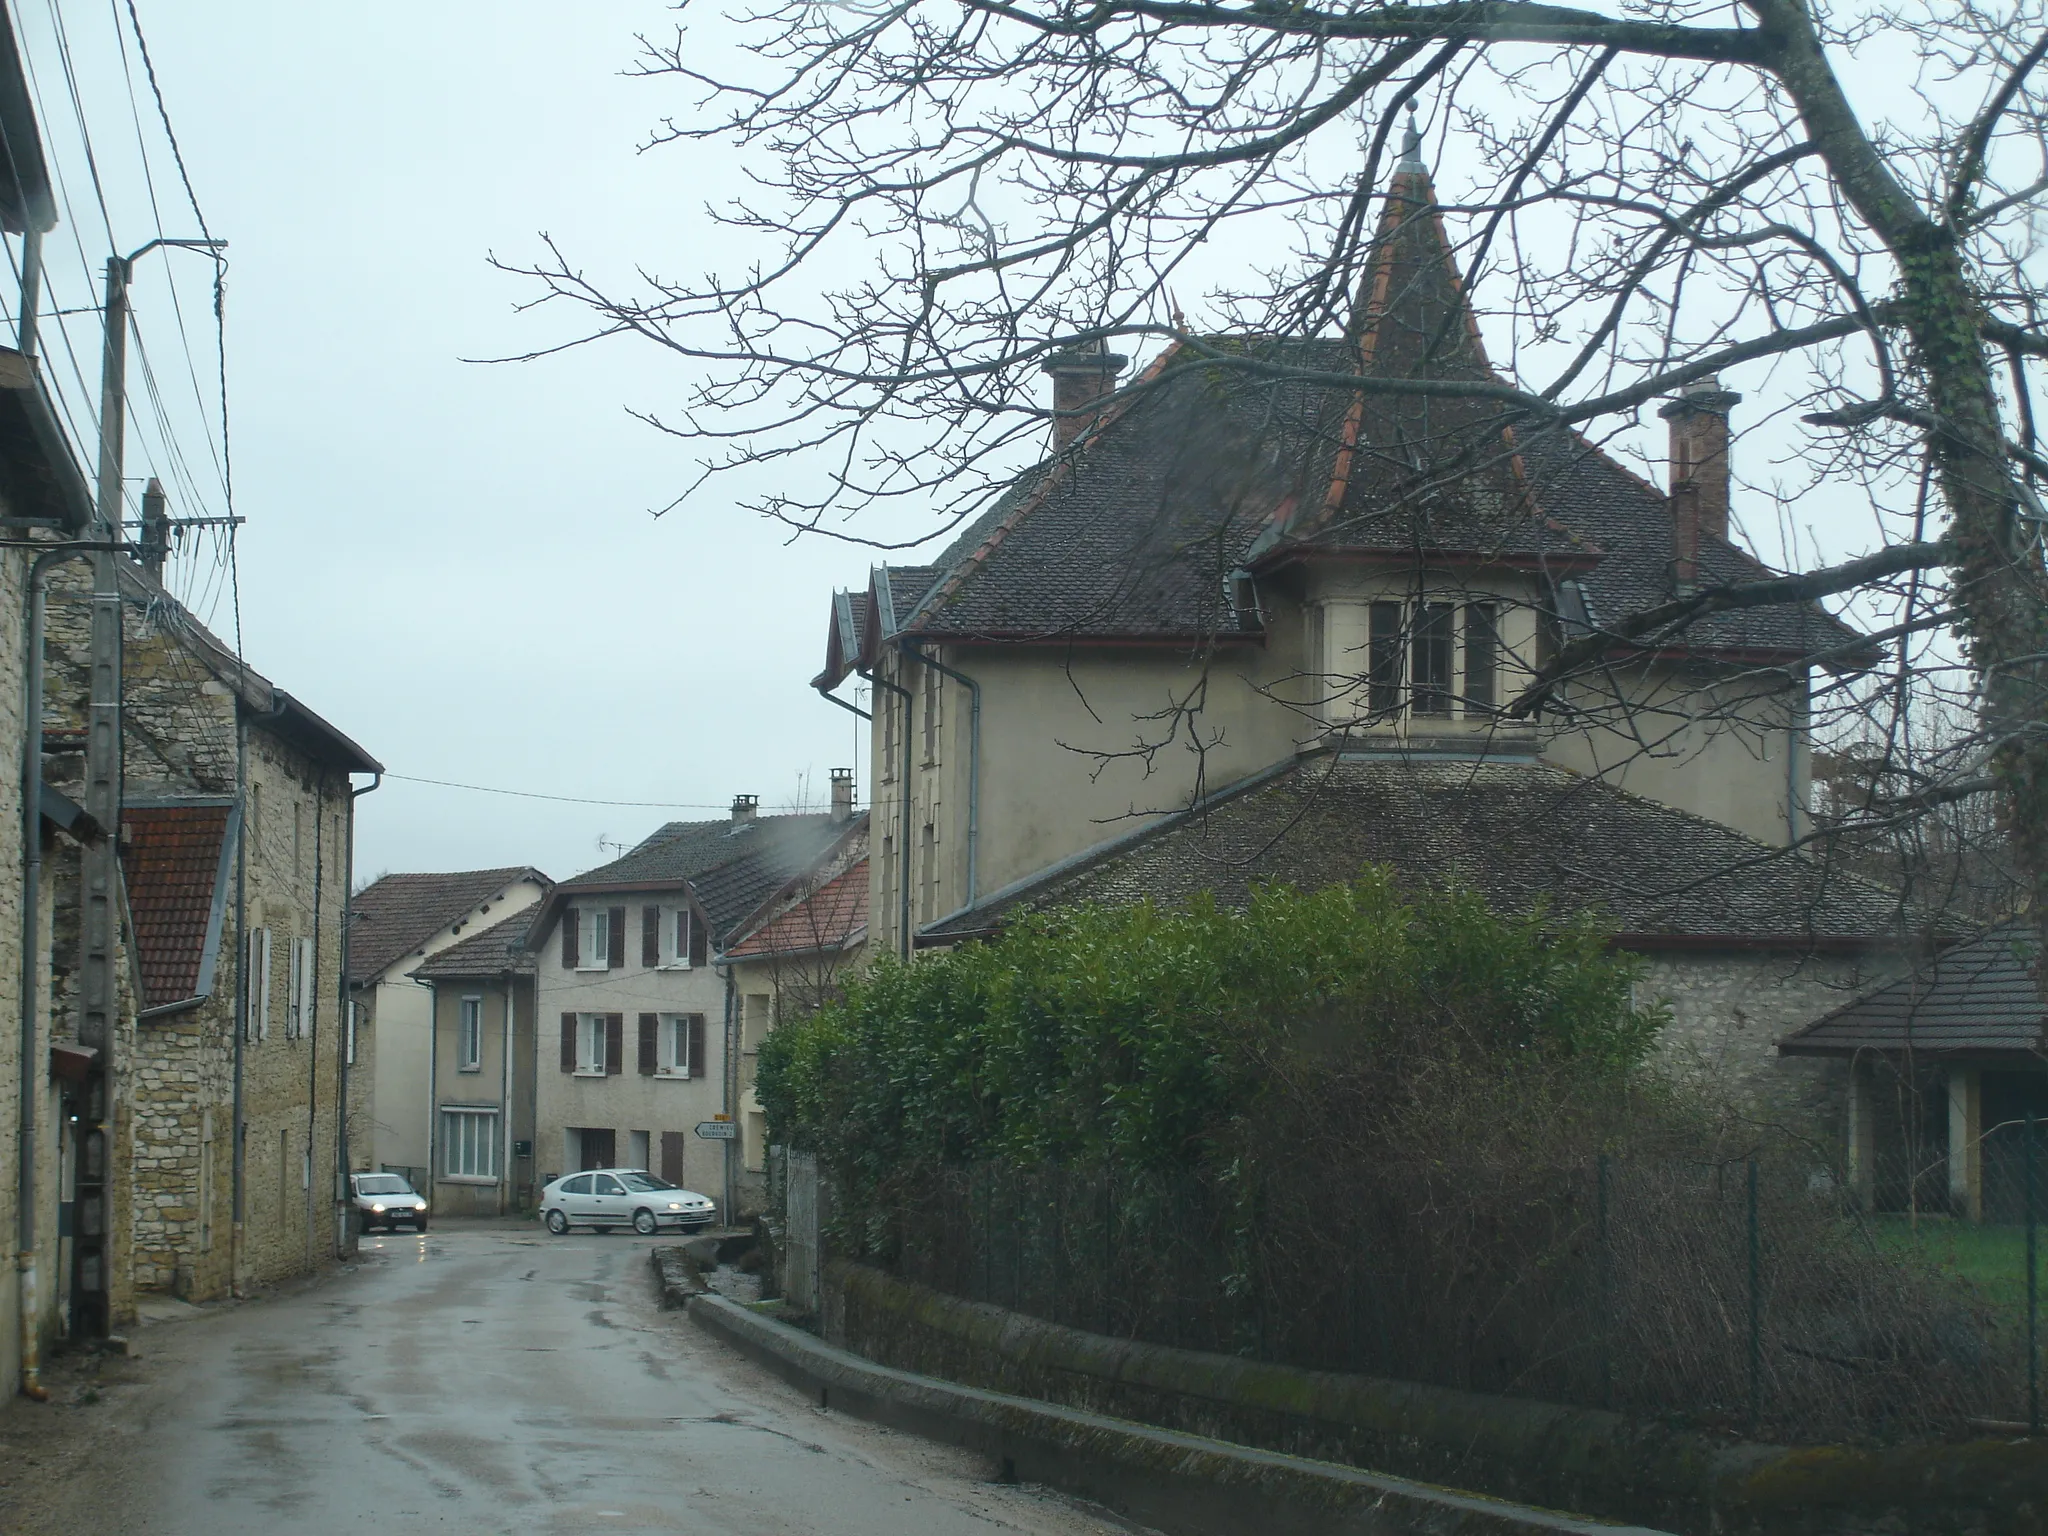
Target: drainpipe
{"x":505,"y":1106}
{"x":311,"y":1023}
{"x":31,"y":962}
{"x":876,"y":680}
{"x":729,"y":1076}
{"x":346,"y":1231}
{"x":433,"y":1074}
{"x":973,"y":768}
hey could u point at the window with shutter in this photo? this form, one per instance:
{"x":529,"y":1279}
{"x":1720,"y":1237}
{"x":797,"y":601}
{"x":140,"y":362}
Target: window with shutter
{"x":650,"y":937}
{"x":572,"y":929}
{"x":256,"y":985}
{"x":650,"y":1025}
{"x":614,"y":1044}
{"x":614,"y":951}
{"x":696,"y":1032}
{"x":294,"y":989}
{"x":700,"y":941}
{"x":568,"y":1042}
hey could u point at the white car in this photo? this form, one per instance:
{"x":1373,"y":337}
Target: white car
{"x":384,"y":1200}
{"x":618,"y":1197}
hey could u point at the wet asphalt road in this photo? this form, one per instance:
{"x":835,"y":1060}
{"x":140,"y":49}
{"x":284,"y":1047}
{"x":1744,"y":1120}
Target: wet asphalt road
{"x":506,"y":1381}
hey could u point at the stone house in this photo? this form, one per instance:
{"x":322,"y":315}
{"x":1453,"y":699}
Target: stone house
{"x":232,"y":1091}
{"x":1228,"y":578}
{"x":395,"y":922}
{"x":481,"y":1074}
{"x":644,"y":1024}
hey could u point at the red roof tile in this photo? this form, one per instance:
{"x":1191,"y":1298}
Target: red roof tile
{"x":172,"y":858}
{"x":834,"y":916}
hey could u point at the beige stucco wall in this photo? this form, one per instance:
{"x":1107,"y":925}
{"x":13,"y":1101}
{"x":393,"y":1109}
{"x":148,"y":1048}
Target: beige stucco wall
{"x":628,"y":1102}
{"x":403,"y":1011}
{"x":507,"y":1020}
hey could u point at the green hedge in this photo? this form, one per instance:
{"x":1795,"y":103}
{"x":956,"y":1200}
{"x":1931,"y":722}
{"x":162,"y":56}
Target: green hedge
{"x":1141,"y":1033}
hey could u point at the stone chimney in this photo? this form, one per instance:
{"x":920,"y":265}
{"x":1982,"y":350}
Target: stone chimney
{"x":743,"y":808}
{"x":1699,"y":447}
{"x":156,"y":529}
{"x":1080,"y":378}
{"x":842,"y":794}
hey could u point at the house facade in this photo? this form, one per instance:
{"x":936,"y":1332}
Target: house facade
{"x":641,"y":1028}
{"x":1231,"y":579}
{"x":481,"y":1074}
{"x":395,"y":922}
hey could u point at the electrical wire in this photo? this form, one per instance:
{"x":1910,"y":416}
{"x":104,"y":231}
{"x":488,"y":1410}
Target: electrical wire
{"x":528,"y":794}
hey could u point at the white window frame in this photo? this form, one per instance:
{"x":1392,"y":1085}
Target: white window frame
{"x":300,"y":989}
{"x":593,"y":938}
{"x":354,"y":1022}
{"x":469,"y":1033}
{"x":672,"y":1045}
{"x":675,"y":937}
{"x":469,"y":1144}
{"x":590,"y":1038}
{"x":256,"y":984}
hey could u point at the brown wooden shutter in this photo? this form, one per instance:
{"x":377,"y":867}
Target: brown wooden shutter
{"x":614,"y":1044}
{"x":672,"y":1156}
{"x":649,"y":1024}
{"x":650,"y":937}
{"x":615,"y":939}
{"x":700,"y":946}
{"x":697,"y":1045}
{"x":571,"y":935}
{"x":568,"y":1042}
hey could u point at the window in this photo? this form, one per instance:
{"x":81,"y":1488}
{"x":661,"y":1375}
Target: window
{"x":256,"y":985}
{"x":580,"y":1185}
{"x":676,"y":1033}
{"x":354,"y":1020}
{"x":605,"y":1184}
{"x":928,"y":874}
{"x":590,"y":1033}
{"x":1482,"y":655}
{"x":679,"y":937}
{"x":1383,"y":659}
{"x":469,"y":1035}
{"x":887,"y":704}
{"x":596,"y":938}
{"x":469,"y":1143}
{"x":298,"y":1016}
{"x":1430,"y":664}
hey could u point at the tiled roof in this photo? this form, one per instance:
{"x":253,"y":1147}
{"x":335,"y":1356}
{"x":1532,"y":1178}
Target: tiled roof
{"x":398,"y":914}
{"x":833,"y":917}
{"x":174,"y":860}
{"x":1211,"y":462}
{"x":731,"y":866}
{"x":1518,"y":833}
{"x":493,"y":952}
{"x":1979,"y":996}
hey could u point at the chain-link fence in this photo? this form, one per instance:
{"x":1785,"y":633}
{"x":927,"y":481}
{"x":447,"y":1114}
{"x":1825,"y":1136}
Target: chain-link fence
{"x":1760,"y":1297}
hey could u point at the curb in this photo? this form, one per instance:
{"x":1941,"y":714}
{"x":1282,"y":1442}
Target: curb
{"x":676,"y":1277}
{"x":1182,"y":1484}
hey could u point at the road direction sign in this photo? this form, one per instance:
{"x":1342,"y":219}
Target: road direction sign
{"x":718,"y":1130}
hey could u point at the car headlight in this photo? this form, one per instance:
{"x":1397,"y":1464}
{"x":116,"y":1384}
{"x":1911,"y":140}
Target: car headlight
{"x":376,"y":1210}
{"x":675,"y":1205}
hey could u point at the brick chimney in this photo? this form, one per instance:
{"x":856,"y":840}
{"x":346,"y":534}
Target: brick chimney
{"x":744,"y":807}
{"x":1080,"y":377}
{"x":1699,"y":473}
{"x":842,"y":794}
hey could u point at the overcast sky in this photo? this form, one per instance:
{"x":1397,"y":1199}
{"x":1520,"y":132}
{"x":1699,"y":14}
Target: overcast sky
{"x":453,"y":563}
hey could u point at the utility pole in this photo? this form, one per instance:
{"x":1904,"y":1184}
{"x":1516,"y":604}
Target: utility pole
{"x":100,"y":863}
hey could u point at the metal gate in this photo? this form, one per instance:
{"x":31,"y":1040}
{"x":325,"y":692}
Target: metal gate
{"x":803,"y":1233}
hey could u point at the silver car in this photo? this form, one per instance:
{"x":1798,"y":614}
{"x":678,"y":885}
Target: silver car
{"x":604,"y":1198}
{"x":385,"y":1200}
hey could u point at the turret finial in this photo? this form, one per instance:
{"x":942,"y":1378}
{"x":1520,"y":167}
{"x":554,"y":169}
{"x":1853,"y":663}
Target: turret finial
{"x":1411,"y":148}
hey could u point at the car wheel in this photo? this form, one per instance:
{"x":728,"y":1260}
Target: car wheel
{"x":557,"y":1223}
{"x":644,"y":1223}
{"x":420,"y":1222}
{"x":364,"y":1226}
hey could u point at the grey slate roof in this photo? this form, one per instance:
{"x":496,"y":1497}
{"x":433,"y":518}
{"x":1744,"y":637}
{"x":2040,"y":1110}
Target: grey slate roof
{"x":731,"y":866}
{"x":1517,"y":832}
{"x":399,"y":913}
{"x":1203,"y":467}
{"x":493,"y":952}
{"x":1979,"y":996}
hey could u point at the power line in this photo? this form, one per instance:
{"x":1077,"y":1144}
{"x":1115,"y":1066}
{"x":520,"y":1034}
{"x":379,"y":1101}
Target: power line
{"x":527,"y":794}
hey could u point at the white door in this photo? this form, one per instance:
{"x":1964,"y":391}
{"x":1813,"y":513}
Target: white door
{"x":608,"y":1199}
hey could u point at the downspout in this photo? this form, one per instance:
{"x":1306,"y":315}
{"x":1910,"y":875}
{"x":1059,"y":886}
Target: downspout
{"x":312,"y":1022}
{"x":341,"y":1160}
{"x":729,"y":1075}
{"x":29,"y":1298}
{"x":876,"y":680}
{"x":433,"y":1074}
{"x":973,"y":770}
{"x":505,"y":1101}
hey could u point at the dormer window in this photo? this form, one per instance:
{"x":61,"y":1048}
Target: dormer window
{"x":1432,"y":658}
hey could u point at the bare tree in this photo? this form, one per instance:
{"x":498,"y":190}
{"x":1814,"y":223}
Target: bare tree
{"x":949,"y":192}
